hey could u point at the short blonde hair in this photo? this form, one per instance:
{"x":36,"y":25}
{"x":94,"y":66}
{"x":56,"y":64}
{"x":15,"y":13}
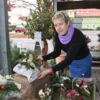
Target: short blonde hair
{"x":61,"y":14}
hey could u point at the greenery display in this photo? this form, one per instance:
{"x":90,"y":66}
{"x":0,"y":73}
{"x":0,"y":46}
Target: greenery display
{"x":75,"y":88}
{"x":10,"y":88}
{"x":79,"y":89}
{"x":30,"y":62}
{"x":41,"y":20}
{"x":17,"y":57}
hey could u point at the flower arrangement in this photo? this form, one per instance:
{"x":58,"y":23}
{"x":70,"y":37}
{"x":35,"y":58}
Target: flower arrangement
{"x":27,"y":63}
{"x":8,"y":88}
{"x":29,"y":60}
{"x":74,"y":88}
{"x":78,"y":88}
{"x":28,"y":66}
{"x":45,"y":93}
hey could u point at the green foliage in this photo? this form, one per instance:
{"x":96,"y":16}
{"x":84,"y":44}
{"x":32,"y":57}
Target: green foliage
{"x":55,"y":79}
{"x":15,"y":55}
{"x":52,"y":62}
{"x":11,"y":87}
{"x":36,"y":61}
{"x":41,"y":21}
{"x":7,"y":88}
{"x":2,"y":96}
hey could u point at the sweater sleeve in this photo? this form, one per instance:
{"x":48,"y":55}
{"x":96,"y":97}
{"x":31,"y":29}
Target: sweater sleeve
{"x":73,"y":50}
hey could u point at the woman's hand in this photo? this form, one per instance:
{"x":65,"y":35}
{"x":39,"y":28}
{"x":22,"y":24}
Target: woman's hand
{"x":42,"y":61}
{"x":40,"y":57}
{"x":45,"y":73}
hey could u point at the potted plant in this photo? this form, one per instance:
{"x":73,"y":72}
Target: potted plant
{"x":42,"y":21}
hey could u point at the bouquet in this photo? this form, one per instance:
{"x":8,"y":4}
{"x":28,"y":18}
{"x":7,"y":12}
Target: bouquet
{"x":8,"y":88}
{"x":27,"y":68}
{"x":79,"y":88}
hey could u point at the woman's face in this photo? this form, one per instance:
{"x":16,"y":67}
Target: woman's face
{"x":60,"y":26}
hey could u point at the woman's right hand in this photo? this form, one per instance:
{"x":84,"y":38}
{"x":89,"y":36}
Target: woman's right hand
{"x":40,"y":57}
{"x":45,"y":73}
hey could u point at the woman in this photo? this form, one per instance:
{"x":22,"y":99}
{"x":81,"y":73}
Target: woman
{"x":73,"y":42}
